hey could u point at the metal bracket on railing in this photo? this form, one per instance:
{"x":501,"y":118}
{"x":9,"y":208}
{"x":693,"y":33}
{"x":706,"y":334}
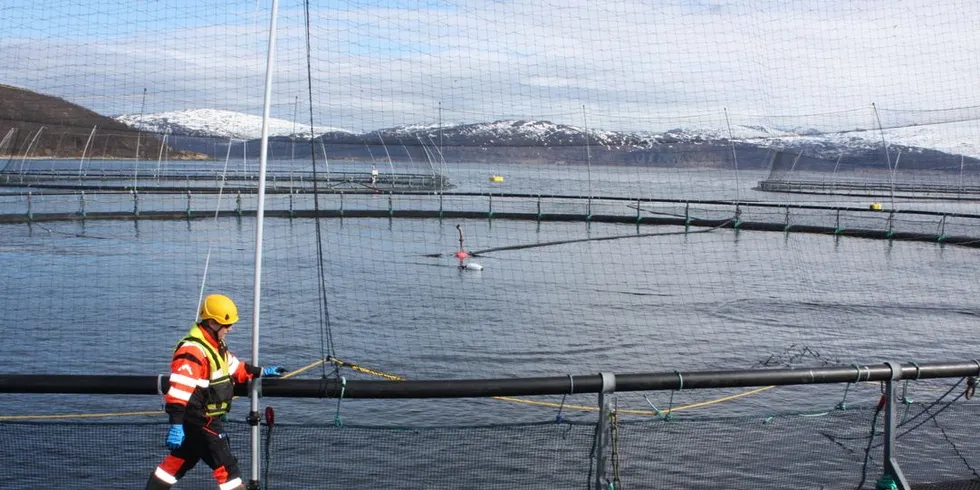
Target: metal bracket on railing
{"x":608,"y":382}
{"x":892,"y":476}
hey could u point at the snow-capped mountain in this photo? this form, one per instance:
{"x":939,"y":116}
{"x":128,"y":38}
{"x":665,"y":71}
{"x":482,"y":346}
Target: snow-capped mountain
{"x":957,"y":138}
{"x":516,"y":133}
{"x":215,"y":123}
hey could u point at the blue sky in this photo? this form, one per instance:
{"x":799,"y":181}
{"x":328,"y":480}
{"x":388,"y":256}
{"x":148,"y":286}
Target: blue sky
{"x":616,"y":64}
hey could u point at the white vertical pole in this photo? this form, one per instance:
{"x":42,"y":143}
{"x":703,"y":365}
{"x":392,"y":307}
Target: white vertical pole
{"x":259,"y":218}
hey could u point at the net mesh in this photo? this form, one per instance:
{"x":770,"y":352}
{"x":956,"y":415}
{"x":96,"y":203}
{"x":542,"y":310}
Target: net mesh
{"x":680,"y":186}
{"x":828,"y":450}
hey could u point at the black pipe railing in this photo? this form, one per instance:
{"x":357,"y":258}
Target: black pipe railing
{"x":467,"y":388}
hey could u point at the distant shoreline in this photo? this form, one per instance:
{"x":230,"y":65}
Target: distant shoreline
{"x":202,"y":158}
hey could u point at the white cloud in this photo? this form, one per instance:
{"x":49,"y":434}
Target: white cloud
{"x":631,"y":65}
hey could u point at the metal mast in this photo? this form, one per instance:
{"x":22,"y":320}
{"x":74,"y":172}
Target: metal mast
{"x":253,"y":416}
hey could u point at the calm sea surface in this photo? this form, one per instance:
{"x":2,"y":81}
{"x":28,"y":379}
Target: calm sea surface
{"x":112,"y":297}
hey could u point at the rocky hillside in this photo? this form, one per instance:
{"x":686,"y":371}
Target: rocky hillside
{"x":37,"y":125}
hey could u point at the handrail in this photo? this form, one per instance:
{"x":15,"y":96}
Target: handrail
{"x":468,"y":388}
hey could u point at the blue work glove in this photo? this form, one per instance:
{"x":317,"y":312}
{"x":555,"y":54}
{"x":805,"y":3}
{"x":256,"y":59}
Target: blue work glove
{"x":273,"y":371}
{"x":175,"y":437}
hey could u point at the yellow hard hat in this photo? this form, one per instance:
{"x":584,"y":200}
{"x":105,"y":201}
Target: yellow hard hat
{"x":219,"y":308}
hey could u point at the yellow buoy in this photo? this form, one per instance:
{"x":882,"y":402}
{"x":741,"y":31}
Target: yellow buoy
{"x":876,"y":206}
{"x":496,"y":178}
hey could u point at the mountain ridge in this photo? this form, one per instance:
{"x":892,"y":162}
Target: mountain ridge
{"x":523,"y":132}
{"x":538,"y":141}
{"x":37,"y":125}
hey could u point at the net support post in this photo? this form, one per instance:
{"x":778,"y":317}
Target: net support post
{"x":892,"y":476}
{"x":602,"y":429}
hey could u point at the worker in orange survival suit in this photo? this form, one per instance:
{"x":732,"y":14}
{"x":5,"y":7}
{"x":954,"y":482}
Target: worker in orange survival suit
{"x":202,"y":378}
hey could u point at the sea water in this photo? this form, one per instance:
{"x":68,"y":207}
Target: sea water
{"x":112,"y":297}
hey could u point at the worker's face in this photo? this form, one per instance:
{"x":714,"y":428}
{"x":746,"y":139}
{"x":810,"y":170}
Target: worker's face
{"x":221,"y":330}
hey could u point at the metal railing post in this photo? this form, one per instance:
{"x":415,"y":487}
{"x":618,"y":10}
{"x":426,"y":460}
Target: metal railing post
{"x":892,"y":476}
{"x":602,"y":429}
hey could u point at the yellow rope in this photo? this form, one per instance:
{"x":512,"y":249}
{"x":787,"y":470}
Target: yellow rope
{"x":76,"y":415}
{"x":585,"y":408}
{"x":342,"y":363}
{"x":372,"y":372}
{"x":303,"y":369}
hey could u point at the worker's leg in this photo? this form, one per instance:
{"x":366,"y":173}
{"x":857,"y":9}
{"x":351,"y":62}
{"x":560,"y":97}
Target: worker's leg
{"x":220,"y":458}
{"x":175,"y":465}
